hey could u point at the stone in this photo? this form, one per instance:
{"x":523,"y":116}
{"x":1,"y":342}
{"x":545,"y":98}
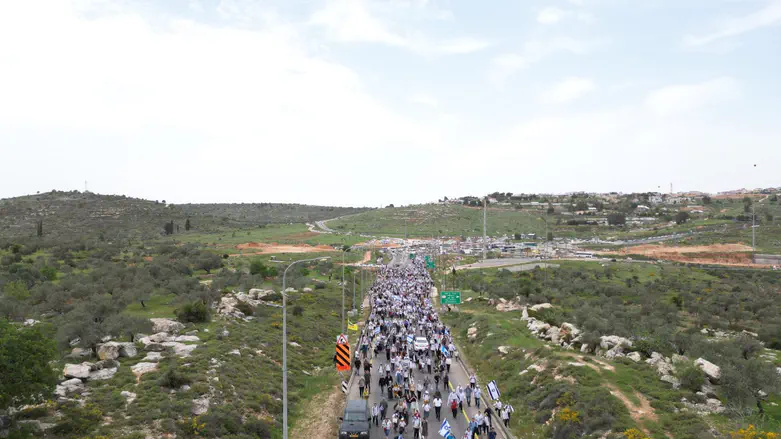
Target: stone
{"x":155,"y":347}
{"x":77,"y":370}
{"x":129,"y":396}
{"x":541,"y":306}
{"x":712,"y":371}
{"x":504,"y":349}
{"x":291,"y":290}
{"x":616,"y":352}
{"x":77,"y":353}
{"x":235,"y":352}
{"x":569,"y":330}
{"x":181,"y":350}
{"x":608,"y":342}
{"x":537,"y":327}
{"x":108,"y":351}
{"x":704,"y":331}
{"x":186,"y":338}
{"x":107,"y":339}
{"x":553,"y":334}
{"x":193,"y":332}
{"x":103,"y":374}
{"x":584,"y":348}
{"x":778,"y":370}
{"x":200,"y":406}
{"x":159,"y":337}
{"x":225,"y":333}
{"x":307,"y":290}
{"x":508,"y":306}
{"x":104,"y":364}
{"x":680,"y":359}
{"x":294,"y":344}
{"x":128,"y":350}
{"x":524,"y":372}
{"x":672,"y":380}
{"x":709,"y":391}
{"x":75,"y":342}
{"x":471,"y":332}
{"x":635,"y":356}
{"x":69,"y":386}
{"x":525,"y":313}
{"x":143,"y":368}
{"x":166,"y":325}
{"x":184,"y":388}
{"x":153,"y":357}
{"x":31,"y":322}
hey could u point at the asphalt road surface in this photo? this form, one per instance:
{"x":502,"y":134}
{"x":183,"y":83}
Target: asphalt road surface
{"x":457,"y":375}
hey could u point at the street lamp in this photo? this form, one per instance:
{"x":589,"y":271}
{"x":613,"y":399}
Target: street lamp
{"x":284,"y":341}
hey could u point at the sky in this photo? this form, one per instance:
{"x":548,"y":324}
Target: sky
{"x":371,"y":102}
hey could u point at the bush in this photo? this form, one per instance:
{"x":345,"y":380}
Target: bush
{"x":298,"y":310}
{"x":173,"y":378}
{"x":246,"y":308}
{"x":691,"y":377}
{"x":78,"y":420}
{"x":258,"y":428}
{"x":194,"y":312}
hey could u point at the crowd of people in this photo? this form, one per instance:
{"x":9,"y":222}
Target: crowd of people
{"x":413,"y":375}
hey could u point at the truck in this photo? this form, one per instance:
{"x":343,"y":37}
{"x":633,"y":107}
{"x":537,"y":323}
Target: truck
{"x":356,"y":422}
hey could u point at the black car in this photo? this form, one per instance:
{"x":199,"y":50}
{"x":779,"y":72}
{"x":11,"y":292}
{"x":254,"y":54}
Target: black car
{"x":356,"y":422}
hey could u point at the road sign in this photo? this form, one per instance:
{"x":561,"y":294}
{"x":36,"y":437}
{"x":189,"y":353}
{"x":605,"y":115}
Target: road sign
{"x":493,"y":390}
{"x":450,"y":298}
{"x":412,"y":255}
{"x":430,"y":265}
{"x":428,"y":258}
{"x":344,"y":386}
{"x":342,"y":357}
{"x":342,"y":339}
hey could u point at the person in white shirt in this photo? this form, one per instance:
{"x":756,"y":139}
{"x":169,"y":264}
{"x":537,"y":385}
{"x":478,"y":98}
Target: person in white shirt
{"x":438,"y":407}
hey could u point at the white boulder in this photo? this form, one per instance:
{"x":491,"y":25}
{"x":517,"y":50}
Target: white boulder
{"x":186,"y":338}
{"x":108,"y":351}
{"x":525,"y":313}
{"x":166,"y":325}
{"x":541,"y":306}
{"x":672,"y":380}
{"x":77,"y":370}
{"x":508,"y":306}
{"x":635,"y":356}
{"x":129,"y":396}
{"x":143,"y":368}
{"x":103,"y":374}
{"x":608,"y":342}
{"x":181,"y":350}
{"x":200,"y":406}
{"x":153,"y":357}
{"x":471,"y":332}
{"x":711,"y":370}
{"x":128,"y":350}
{"x":69,"y":386}
{"x":504,"y":349}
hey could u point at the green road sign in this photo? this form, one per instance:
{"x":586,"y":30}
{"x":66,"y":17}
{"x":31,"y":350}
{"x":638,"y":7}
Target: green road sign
{"x":430,"y":265}
{"x":428,"y":258}
{"x":412,"y":255}
{"x":450,"y":297}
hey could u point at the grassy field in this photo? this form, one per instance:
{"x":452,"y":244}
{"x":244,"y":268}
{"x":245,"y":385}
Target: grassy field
{"x":278,"y":233}
{"x":438,"y":220}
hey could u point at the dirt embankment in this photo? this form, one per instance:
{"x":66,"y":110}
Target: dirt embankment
{"x":259,"y":248}
{"x":722,"y":254}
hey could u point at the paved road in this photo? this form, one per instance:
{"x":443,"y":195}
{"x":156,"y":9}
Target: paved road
{"x":457,"y":375}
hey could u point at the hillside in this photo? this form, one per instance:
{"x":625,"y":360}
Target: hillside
{"x":75,"y":214}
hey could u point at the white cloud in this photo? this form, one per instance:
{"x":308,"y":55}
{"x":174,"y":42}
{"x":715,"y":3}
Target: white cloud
{"x":687,"y":98}
{"x":568,"y":90}
{"x":177,"y":100}
{"x":353,"y":21}
{"x":550,"y":15}
{"x":424,"y":99}
{"x":770,"y":15}
{"x":506,"y":65}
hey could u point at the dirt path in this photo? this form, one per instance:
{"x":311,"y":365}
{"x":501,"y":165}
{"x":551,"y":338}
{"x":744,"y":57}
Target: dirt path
{"x":324,"y":410}
{"x":639,"y":413}
{"x":259,"y":248}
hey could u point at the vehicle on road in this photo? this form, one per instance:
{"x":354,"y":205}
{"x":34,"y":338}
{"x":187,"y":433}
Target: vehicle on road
{"x":356,"y":420}
{"x":421,"y":344}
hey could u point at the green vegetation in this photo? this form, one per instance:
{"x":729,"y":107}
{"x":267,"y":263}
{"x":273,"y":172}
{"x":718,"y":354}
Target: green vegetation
{"x":662,"y":309}
{"x":24,"y":361}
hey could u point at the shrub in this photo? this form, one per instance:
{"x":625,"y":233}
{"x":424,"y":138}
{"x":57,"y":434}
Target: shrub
{"x":173,"y":378}
{"x":567,"y":415}
{"x":752,"y":433}
{"x":634,"y":433}
{"x":194,"y":312}
{"x":258,"y":428}
{"x":246,"y":308}
{"x":691,"y":377}
{"x":78,"y":420}
{"x":192,"y":427}
{"x":298,"y":310}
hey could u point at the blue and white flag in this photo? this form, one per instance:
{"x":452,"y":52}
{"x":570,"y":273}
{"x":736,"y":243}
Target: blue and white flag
{"x":444,"y":430}
{"x":444,"y":351}
{"x":493,"y":390}
{"x":410,"y":339}
{"x":377,"y":330}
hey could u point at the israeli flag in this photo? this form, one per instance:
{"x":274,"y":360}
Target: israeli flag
{"x":493,"y":390}
{"x":444,"y":430}
{"x":444,"y":351}
{"x":377,"y":330}
{"x":410,"y":339}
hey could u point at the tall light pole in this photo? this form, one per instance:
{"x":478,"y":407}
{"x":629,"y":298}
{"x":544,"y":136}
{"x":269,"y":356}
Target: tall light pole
{"x":485,"y":213}
{"x":343,"y":252}
{"x":284,"y":342}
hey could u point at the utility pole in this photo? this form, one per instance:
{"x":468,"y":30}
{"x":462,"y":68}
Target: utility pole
{"x":343,"y":251}
{"x":485,"y":216}
{"x":353,"y":292}
{"x":753,"y":228}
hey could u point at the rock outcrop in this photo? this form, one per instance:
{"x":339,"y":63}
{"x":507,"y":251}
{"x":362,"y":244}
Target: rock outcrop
{"x":712,"y":371}
{"x":166,"y":325}
{"x":77,"y":370}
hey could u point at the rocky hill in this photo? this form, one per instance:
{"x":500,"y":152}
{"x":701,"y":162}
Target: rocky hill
{"x":77,"y":214}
